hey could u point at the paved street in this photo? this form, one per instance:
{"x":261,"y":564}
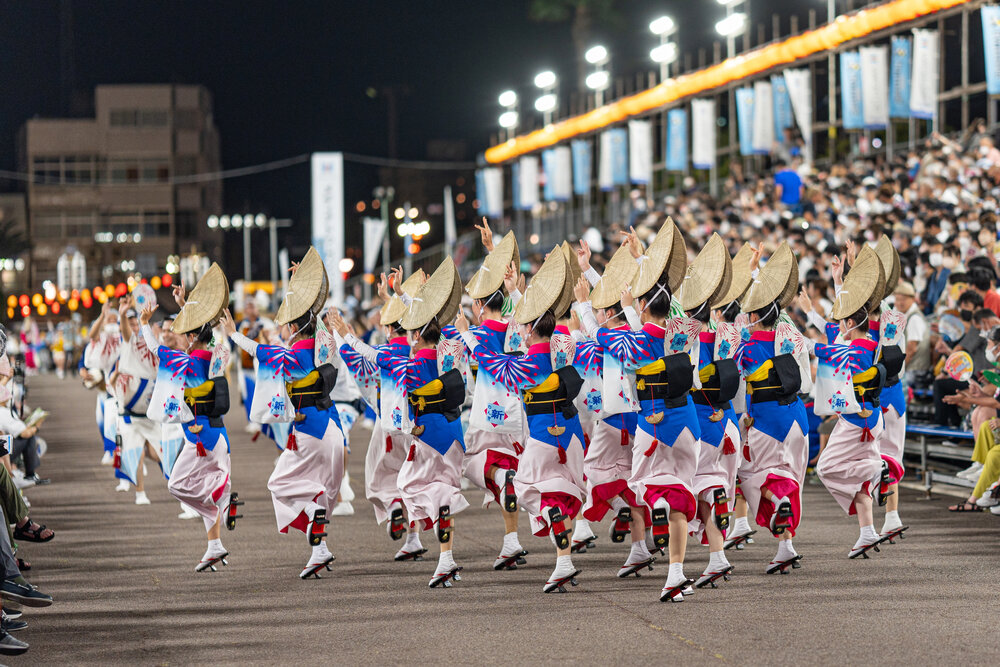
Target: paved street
{"x":126,"y":591}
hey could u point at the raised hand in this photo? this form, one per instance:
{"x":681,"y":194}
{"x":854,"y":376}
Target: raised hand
{"x":803,"y":301}
{"x":583,"y":255}
{"x":627,"y":299}
{"x":837,"y":270}
{"x":383,"y":287}
{"x":852,"y":252}
{"x":461,"y":323}
{"x":634,"y":244}
{"x":227,"y":323}
{"x":510,"y":278}
{"x":180,"y":295}
{"x":147,"y":313}
{"x":337,"y":322}
{"x":755,"y":256}
{"x":486,"y":234}
{"x":582,"y":290}
{"x":397,"y":280}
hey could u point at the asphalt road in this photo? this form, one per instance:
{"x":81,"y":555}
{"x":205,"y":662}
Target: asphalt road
{"x":126,"y":592}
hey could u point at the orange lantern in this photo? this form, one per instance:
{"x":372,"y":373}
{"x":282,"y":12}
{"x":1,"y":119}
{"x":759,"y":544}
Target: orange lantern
{"x":56,"y":308}
{"x":10,"y":313}
{"x":121,"y":290}
{"x":73,"y":304}
{"x":25,"y":311}
{"x":85,"y":294}
{"x":168,"y":280}
{"x":154,"y":282}
{"x":36,"y":300}
{"x":43,"y":310}
{"x":11,"y":301}
{"x":23,"y":300}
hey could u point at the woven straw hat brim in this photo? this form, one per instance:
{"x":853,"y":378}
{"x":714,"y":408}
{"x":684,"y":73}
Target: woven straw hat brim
{"x":306,"y":291}
{"x":545,"y":289}
{"x":772,"y":280}
{"x":863,"y":285}
{"x":740,"y":280}
{"x":561,"y":307}
{"x":572,"y":263}
{"x":489,"y":278}
{"x":432,"y":297}
{"x":450,"y":310}
{"x":704,"y":275}
{"x":791,"y":287}
{"x":617,"y":276}
{"x":665,"y":255}
{"x":394,"y":307}
{"x":890,"y":264}
{"x":204,"y":303}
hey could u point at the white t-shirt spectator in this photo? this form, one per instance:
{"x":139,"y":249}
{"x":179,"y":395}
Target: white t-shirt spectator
{"x":917,"y":330}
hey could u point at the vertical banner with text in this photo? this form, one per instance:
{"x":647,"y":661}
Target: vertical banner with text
{"x":991,"y":46}
{"x":581,"y":166}
{"x":703,"y":133}
{"x":851,"y":109}
{"x":875,"y":86}
{"x":899,"y":77}
{"x":677,"y":140}
{"x":744,"y":119}
{"x":924,"y":87}
{"x":328,"y":217}
{"x":763,"y":117}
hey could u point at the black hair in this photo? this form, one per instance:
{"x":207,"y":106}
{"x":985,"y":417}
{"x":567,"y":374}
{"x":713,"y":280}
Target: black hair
{"x":970,"y":296}
{"x":494,"y":301}
{"x":545,"y":325}
{"x":702,"y":313}
{"x":730,"y":311}
{"x":306,"y":324}
{"x":858,"y":317}
{"x":397,"y":330}
{"x":982,"y":264}
{"x":994,"y":335}
{"x":204,"y":334}
{"x":980,"y":279}
{"x":658,"y":300}
{"x":982,"y":314}
{"x":958,"y":277}
{"x":431,"y":332}
{"x":768,"y":315}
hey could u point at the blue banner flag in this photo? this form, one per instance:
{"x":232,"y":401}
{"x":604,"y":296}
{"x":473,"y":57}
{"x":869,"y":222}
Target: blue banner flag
{"x":677,"y":140}
{"x":991,"y":47}
{"x":581,"y":166}
{"x":852,"y":110}
{"x":900,"y":60}
{"x":782,"y":107}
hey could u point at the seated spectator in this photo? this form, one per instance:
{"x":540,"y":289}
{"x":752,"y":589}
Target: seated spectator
{"x":918,"y":335}
{"x":25,"y":443}
{"x":982,"y":281}
{"x":987,"y":455}
{"x":947,"y":414}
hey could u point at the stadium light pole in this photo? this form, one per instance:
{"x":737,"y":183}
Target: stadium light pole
{"x":598,"y":80}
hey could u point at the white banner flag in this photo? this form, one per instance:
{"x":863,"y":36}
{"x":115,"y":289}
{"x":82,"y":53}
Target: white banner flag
{"x":449,"y":219}
{"x":924,"y":81}
{"x":328,"y":217}
{"x":528,"y":181}
{"x":493,"y":187}
{"x":640,"y":151}
{"x":703,"y":133}
{"x":875,"y":86}
{"x":763,"y":117}
{"x":562,"y":184}
{"x":799,"y":86}
{"x":374,"y":229}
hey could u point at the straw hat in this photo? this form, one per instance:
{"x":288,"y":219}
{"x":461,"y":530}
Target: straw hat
{"x":774,"y":281}
{"x":489,"y":278}
{"x":618,"y":274}
{"x":666,"y":254}
{"x":890,"y":264}
{"x":433,"y":298}
{"x":708,"y":276}
{"x":741,"y":277}
{"x":394,"y":308}
{"x":450,"y":310}
{"x":307,"y":289}
{"x":545,"y":289}
{"x":573,"y":274}
{"x":205,"y":301}
{"x":863,"y":285}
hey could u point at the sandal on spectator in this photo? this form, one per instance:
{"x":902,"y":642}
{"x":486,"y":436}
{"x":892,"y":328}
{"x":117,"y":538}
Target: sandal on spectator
{"x":33,"y":532}
{"x":965,"y":507}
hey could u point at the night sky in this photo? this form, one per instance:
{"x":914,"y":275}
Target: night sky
{"x":291,"y":77}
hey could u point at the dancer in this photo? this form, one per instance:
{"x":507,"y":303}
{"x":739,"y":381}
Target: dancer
{"x":185,"y":392}
{"x":661,"y":476}
{"x":252,"y":326}
{"x":430,"y":477}
{"x":133,"y":386}
{"x":848,"y":384}
{"x":707,"y":281}
{"x":777,"y":445}
{"x":293,"y":387}
{"x":389,"y":445}
{"x":549,"y":481}
{"x":496,"y":420}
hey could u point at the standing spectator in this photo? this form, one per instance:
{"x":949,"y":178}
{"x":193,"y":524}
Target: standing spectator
{"x":788,"y":187}
{"x":918,"y":336}
{"x":937,"y":280}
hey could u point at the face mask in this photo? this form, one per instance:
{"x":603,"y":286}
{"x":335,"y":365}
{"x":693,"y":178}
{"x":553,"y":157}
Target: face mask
{"x":941,"y":236}
{"x":991,"y":355}
{"x":973,"y":226}
{"x":966,"y":315}
{"x":935,"y":259}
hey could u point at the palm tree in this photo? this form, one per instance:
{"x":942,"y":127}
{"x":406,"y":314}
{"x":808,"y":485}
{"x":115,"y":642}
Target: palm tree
{"x":583,"y":14}
{"x":13,"y":242}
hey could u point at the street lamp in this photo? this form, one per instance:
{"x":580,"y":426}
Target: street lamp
{"x":509,"y":118}
{"x":246,"y":223}
{"x":734,"y":24}
{"x":548,"y":102}
{"x":508,"y":99}
{"x":596,"y":55}
{"x":665,"y":53}
{"x":599,"y":79}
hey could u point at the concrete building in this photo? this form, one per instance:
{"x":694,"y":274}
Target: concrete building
{"x":113,"y":186}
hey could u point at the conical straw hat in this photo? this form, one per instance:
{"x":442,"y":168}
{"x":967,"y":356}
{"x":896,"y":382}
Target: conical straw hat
{"x":863,"y":285}
{"x":666,"y":254}
{"x":489,"y":278}
{"x":741,"y":277}
{"x":205,"y":301}
{"x":306,"y":291}
{"x":772,"y":280}
{"x":890,"y":264}
{"x":544,"y":290}
{"x":618,"y":275}
{"x":394,"y":307}
{"x":708,"y":275}
{"x":432,"y":297}
{"x":573,"y":274}
{"x":450,"y":310}
{"x":791,"y":287}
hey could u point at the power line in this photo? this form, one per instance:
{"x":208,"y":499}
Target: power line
{"x":273,"y":165}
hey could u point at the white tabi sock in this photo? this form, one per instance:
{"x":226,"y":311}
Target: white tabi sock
{"x":511,"y":545}
{"x":661,"y":502}
{"x":785,"y":551}
{"x":446,"y":562}
{"x":676,"y":574}
{"x":868,"y":533}
{"x":638,"y":553}
{"x":892,"y":521}
{"x":617,"y":503}
{"x":742,"y":526}
{"x":500,"y":478}
{"x":412,"y":542}
{"x":320,"y":552}
{"x":564,"y":567}
{"x":717,"y":561}
{"x":215,"y":546}
{"x":582,"y":530}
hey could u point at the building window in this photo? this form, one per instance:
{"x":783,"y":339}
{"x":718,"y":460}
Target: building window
{"x":47,"y":226}
{"x":47,"y":170}
{"x":139,"y":118}
{"x":124,"y":118}
{"x":153,"y":118}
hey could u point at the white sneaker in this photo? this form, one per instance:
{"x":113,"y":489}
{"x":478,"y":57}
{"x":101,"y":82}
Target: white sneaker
{"x":123,"y":485}
{"x":187,"y":513}
{"x":343,"y":509}
{"x":141,"y":498}
{"x":987,"y":500}
{"x":346,"y":493}
{"x":107,"y":459}
{"x":22,"y":483}
{"x":995,"y":510}
{"x":972,"y":472}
